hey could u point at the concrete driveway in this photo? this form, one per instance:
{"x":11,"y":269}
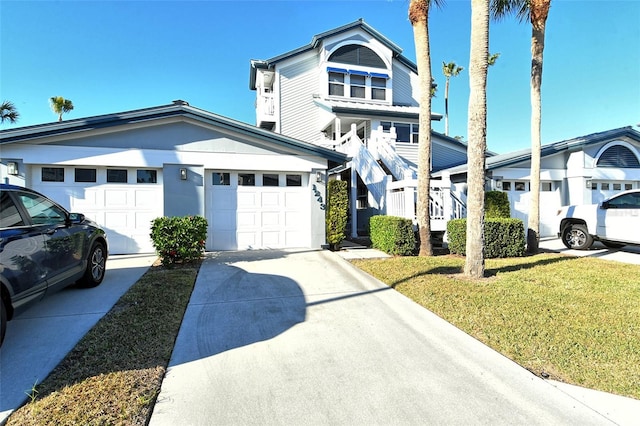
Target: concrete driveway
{"x":282,"y":337}
{"x":39,"y":338}
{"x":626,"y":254}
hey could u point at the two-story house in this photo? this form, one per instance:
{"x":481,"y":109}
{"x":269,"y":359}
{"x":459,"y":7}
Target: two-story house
{"x":352,"y":90}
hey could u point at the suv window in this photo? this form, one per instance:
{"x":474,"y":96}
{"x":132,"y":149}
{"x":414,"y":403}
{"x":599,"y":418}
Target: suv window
{"x":9,"y":215}
{"x":41,"y":210}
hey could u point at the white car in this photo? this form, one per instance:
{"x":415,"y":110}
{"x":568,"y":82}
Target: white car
{"x":615,"y":222}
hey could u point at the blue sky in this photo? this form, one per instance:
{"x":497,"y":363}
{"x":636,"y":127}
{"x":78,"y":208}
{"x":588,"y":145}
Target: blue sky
{"x":113,"y":56}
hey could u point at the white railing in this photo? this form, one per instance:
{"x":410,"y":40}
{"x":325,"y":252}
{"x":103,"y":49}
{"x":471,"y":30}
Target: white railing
{"x":266,"y":107}
{"x":444,"y":204}
{"x":382,"y":146}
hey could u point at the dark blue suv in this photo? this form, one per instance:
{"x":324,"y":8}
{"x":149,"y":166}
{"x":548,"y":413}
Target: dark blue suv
{"x":43,"y":248}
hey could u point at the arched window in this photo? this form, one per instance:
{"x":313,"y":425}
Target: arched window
{"x":618,"y":156}
{"x":354,"y":54}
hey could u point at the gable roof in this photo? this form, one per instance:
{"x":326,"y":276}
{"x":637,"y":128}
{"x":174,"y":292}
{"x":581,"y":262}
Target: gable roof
{"x":176,"y":109}
{"x":318,"y":38}
{"x":515,"y":157}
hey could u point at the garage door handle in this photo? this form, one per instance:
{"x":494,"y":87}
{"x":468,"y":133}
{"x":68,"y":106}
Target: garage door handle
{"x":50,"y":232}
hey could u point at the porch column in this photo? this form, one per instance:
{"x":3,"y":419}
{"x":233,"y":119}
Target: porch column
{"x":354,"y":201}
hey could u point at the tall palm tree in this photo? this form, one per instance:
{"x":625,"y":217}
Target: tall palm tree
{"x":419,"y":18}
{"x":477,"y":131}
{"x":60,"y":106}
{"x":449,"y":70}
{"x":8,"y":112}
{"x":536,"y":11}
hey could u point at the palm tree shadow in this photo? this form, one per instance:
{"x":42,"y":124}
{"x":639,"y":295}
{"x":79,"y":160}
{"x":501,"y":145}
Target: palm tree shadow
{"x":490,"y":272}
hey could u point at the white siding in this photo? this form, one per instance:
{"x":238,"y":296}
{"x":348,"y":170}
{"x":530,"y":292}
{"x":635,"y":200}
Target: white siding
{"x":298,"y":83}
{"x":405,"y":86}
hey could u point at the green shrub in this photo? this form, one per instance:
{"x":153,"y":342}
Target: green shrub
{"x":179,"y":238}
{"x":503,"y":237}
{"x":496,"y":205}
{"x":337,"y":212}
{"x":393,"y":235}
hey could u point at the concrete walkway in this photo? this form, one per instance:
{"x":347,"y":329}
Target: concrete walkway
{"x":303,"y":337}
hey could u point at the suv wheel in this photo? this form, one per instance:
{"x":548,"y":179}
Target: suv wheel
{"x":94,"y":274}
{"x":576,"y":236}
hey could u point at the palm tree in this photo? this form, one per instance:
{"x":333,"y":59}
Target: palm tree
{"x":477,"y":131}
{"x":8,"y":112}
{"x":449,"y":70}
{"x":419,"y":18}
{"x":536,"y":11}
{"x":60,"y":106}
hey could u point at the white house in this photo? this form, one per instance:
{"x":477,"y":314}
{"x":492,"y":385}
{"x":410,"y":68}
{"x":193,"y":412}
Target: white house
{"x":352,"y":90}
{"x":582,"y":170}
{"x":256,"y":188}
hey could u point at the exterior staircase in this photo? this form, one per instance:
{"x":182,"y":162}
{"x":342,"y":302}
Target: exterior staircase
{"x":395,"y":192}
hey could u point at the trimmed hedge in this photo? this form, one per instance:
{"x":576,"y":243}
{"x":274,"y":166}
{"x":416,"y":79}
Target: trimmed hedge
{"x":496,"y":205}
{"x":337,"y":212}
{"x":503,"y":237}
{"x":179,"y":238}
{"x":393,"y":235}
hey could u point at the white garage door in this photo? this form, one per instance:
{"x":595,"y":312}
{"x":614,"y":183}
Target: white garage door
{"x":257,"y":210}
{"x":121,"y":205}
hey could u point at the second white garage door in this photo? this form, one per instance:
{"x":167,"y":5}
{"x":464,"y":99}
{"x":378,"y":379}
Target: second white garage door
{"x":256,"y":210}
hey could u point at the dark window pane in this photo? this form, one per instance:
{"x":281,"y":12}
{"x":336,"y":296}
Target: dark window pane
{"x":378,"y":94}
{"x":403,"y":132}
{"x":270,"y":180}
{"x":9,"y":215}
{"x":221,"y":179}
{"x":53,"y":174}
{"x":357,"y":92}
{"x":246,"y":179}
{"x":506,"y":186}
{"x":117,"y":175}
{"x":147,"y":176}
{"x":85,"y":175}
{"x":521,"y":186}
{"x":41,"y":210}
{"x":294,"y":180}
{"x":618,"y":156}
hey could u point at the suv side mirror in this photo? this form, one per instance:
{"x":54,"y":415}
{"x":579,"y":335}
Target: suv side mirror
{"x":604,"y":205}
{"x":76,"y":217}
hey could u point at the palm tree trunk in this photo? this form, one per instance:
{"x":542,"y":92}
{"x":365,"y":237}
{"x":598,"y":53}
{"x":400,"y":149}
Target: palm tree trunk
{"x":477,"y":130}
{"x":446,"y":108}
{"x":539,"y":11}
{"x":418,"y":15}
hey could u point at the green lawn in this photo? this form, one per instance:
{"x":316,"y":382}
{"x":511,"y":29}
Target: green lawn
{"x":576,"y":320}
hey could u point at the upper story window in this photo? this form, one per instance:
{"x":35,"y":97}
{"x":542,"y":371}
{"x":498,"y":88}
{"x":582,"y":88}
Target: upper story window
{"x":354,"y":54}
{"x":336,"y":83}
{"x":618,"y":156}
{"x":358,"y":86}
{"x":358,"y":82}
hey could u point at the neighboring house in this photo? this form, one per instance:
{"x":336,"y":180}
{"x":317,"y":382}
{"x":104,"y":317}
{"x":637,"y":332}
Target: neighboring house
{"x":256,"y":188}
{"x":352,"y":90}
{"x":582,"y":170}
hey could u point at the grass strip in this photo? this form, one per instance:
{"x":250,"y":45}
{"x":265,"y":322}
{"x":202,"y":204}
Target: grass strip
{"x":114,"y":374}
{"x":576,"y":320}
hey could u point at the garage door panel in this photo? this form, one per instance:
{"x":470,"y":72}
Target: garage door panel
{"x":247,"y":200}
{"x":271,"y":239}
{"x":117,"y":220}
{"x":246,"y":239}
{"x":116,"y":198}
{"x":271,"y":219}
{"x":247,"y":219}
{"x":263,"y":216}
{"x":270,"y":199}
{"x":293,"y":199}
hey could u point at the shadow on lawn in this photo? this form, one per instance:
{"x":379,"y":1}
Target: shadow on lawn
{"x":489,"y":272}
